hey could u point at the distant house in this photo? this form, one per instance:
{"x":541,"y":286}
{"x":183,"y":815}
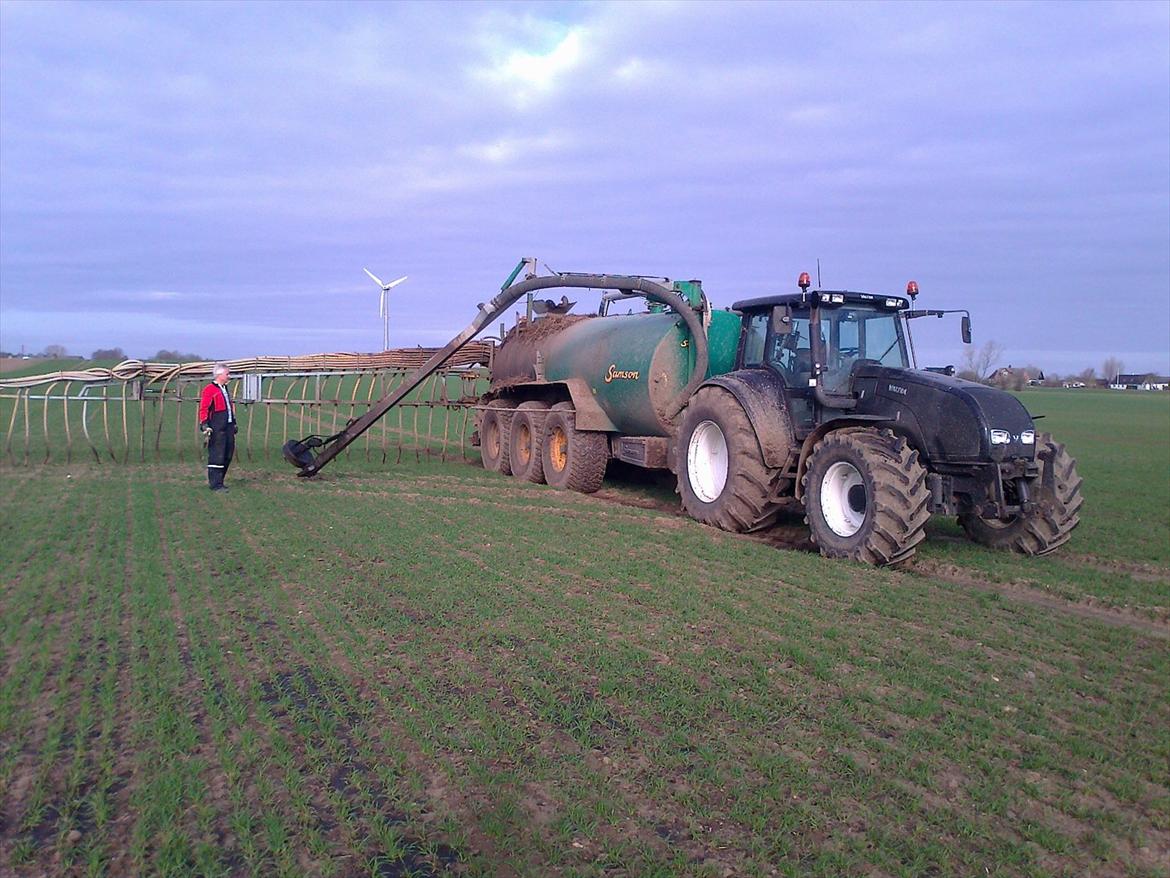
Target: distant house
{"x":1144,"y":381}
{"x":1011,"y":377}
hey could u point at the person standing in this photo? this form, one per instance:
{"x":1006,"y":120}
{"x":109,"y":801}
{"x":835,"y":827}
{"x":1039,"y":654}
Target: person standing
{"x":217,"y":420}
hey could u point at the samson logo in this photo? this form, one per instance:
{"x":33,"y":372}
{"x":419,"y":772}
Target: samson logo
{"x":613,"y":373}
{"x":894,"y":388}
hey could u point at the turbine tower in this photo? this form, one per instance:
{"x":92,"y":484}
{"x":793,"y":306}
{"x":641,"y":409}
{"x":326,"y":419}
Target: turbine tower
{"x":383,"y":309}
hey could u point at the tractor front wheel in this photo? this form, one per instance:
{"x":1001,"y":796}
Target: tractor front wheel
{"x":1056,"y":511}
{"x":572,"y":459}
{"x":865,"y":497}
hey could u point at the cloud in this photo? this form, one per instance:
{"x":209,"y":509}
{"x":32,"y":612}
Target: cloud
{"x":538,"y":73}
{"x":511,"y":149}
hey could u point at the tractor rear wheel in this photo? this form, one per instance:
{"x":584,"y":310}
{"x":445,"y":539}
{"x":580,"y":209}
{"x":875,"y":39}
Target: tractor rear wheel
{"x":865,"y":497}
{"x":1050,"y":523}
{"x":572,"y":459}
{"x":722,"y":476}
{"x":493,"y":436}
{"x":525,"y":434}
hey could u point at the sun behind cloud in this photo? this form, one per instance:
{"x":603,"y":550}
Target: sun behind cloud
{"x":530,"y":75}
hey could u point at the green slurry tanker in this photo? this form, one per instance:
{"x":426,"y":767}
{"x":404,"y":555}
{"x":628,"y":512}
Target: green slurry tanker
{"x":809,"y":397}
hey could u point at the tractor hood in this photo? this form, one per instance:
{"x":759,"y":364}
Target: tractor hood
{"x":949,"y":418}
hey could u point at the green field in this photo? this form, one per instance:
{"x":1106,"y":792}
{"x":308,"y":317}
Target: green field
{"x":18,"y":368}
{"x":428,"y":669}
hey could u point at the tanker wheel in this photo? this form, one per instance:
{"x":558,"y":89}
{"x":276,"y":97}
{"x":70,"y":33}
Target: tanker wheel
{"x":493,"y":436}
{"x":525,"y":435}
{"x":572,"y":459}
{"x":1050,"y":523}
{"x":722,"y":476}
{"x":865,"y":497}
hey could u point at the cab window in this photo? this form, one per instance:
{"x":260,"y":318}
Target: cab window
{"x":791,"y":354}
{"x":753,"y":340}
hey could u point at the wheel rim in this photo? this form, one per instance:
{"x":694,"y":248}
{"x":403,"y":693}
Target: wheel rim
{"x":844,"y":499}
{"x":524,"y":445}
{"x":558,"y":449}
{"x":707,"y":461}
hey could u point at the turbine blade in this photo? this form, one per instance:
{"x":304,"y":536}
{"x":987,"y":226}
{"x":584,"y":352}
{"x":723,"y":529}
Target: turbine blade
{"x":395,"y":283}
{"x":374,"y":277}
{"x":382,"y":304}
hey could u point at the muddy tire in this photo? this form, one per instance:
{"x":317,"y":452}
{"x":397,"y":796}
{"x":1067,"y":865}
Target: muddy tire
{"x":493,"y":436}
{"x":721,"y":472}
{"x":865,"y":497}
{"x":525,"y":434}
{"x":572,"y":459}
{"x":1058,"y":509}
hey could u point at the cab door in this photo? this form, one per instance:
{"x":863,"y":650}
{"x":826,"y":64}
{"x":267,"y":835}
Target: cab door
{"x":786,"y":354}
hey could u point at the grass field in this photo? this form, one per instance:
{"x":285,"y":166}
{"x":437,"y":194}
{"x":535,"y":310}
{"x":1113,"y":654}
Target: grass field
{"x":16,"y":367}
{"x":429,"y":669}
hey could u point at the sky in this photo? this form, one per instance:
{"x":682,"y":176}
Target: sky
{"x":213,"y":177}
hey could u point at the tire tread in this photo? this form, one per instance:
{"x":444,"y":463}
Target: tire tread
{"x":901,"y":501}
{"x":1051,"y":526}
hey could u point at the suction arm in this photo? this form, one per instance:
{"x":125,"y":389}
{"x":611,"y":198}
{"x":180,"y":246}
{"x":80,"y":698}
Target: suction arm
{"x":508,"y":295}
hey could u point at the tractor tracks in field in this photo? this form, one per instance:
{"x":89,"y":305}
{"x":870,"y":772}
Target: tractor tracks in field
{"x":1088,"y":608}
{"x":790,"y":533}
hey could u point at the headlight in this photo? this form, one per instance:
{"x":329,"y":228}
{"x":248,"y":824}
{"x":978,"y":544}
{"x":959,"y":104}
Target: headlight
{"x":1028,"y":437}
{"x":1000,"y":437}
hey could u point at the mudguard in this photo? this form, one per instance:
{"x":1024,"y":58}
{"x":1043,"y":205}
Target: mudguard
{"x":761,"y":393}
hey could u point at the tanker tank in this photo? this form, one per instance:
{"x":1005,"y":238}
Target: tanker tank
{"x":632,"y":365}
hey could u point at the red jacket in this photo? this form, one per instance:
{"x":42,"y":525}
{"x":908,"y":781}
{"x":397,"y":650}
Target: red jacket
{"x":211,"y":403}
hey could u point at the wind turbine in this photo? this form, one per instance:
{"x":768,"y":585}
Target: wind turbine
{"x":383,"y":310}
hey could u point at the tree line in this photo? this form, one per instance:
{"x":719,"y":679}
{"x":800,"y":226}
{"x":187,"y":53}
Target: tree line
{"x":59,"y":352}
{"x":983,"y":364}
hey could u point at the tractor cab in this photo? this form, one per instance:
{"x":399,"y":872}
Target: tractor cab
{"x":820,"y":338}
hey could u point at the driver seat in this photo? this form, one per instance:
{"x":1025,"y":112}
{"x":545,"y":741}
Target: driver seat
{"x":802,"y":367}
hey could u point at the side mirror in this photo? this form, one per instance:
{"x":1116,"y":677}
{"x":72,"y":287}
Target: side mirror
{"x":781,"y":320}
{"x":966,"y":329}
